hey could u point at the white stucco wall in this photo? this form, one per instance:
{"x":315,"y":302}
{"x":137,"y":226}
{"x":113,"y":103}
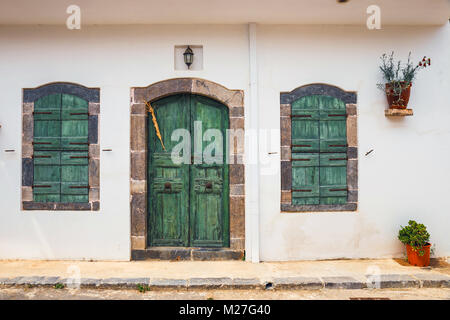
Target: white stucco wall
{"x":406,"y":176}
{"x":113,"y":59}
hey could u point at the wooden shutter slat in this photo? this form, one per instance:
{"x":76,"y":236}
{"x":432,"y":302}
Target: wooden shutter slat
{"x":47,"y":157}
{"x":333,"y":159}
{"x":305,"y":159}
{"x":74,"y":158}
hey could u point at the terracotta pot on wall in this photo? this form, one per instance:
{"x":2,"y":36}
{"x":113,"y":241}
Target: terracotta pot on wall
{"x":414,"y":257}
{"x":395,"y":100}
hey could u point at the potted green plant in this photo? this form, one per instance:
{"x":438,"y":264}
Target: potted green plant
{"x":398,"y":79}
{"x":415,"y":236}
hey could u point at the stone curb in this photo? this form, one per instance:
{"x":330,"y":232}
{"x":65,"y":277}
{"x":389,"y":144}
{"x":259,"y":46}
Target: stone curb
{"x":398,"y":281}
{"x":298,"y":283}
{"x":343,"y":283}
{"x":383,"y":281}
{"x":433,"y":280}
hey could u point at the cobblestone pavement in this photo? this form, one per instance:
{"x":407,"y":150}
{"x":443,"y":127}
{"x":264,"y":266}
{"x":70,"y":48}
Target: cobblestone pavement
{"x":328,"y":294}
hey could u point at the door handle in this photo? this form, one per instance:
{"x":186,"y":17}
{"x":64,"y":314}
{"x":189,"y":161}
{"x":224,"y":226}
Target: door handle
{"x":208,"y":185}
{"x":167,"y":186}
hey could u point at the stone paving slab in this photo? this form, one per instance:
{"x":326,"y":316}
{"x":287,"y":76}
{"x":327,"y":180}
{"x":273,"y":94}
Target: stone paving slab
{"x":431,"y":280}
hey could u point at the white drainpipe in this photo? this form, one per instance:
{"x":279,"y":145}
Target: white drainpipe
{"x":253,"y":175}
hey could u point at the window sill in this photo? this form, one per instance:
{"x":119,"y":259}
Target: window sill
{"x":289,"y":208}
{"x":54,"y":206}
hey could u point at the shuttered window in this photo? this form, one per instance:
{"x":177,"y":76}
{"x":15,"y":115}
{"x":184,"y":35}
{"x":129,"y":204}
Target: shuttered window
{"x":319,"y":150}
{"x":61,"y":149}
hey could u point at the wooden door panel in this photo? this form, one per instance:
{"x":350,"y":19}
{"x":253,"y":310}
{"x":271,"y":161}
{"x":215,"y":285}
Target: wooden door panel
{"x":207,"y":220}
{"x":168,"y":182}
{"x":169,"y":204}
{"x":169,"y":222}
{"x":209,"y":205}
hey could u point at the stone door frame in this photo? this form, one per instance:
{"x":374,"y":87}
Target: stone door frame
{"x":234,"y":100}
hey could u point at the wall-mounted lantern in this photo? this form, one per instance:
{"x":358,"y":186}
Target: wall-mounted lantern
{"x":188,"y":56}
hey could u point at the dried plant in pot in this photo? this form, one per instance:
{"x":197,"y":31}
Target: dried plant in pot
{"x":398,"y":79}
{"x":416,"y":238}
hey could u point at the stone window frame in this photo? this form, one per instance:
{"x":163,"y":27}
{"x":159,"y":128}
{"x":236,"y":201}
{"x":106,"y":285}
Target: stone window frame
{"x":234,"y":100}
{"x":92,"y":95}
{"x":350,"y":100}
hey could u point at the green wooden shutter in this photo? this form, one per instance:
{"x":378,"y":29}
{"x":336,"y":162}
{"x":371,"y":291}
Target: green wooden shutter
{"x":75,"y":146}
{"x":47,"y":124}
{"x":319,"y":151}
{"x":333,"y":148}
{"x":305,"y":148}
{"x":74,"y":124}
{"x":47,"y":137}
{"x":74,"y":176}
{"x":61,"y":171}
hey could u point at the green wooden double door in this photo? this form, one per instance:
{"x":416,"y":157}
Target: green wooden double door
{"x":188,"y":202}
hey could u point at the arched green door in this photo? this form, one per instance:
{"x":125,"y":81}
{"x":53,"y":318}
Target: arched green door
{"x":188,"y":202}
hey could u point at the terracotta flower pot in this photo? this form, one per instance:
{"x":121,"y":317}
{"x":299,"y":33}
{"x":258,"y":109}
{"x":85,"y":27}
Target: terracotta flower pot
{"x":398,"y":100}
{"x":415,"y":259}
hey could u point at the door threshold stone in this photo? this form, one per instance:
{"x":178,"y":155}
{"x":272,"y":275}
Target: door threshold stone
{"x":186,"y":254}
